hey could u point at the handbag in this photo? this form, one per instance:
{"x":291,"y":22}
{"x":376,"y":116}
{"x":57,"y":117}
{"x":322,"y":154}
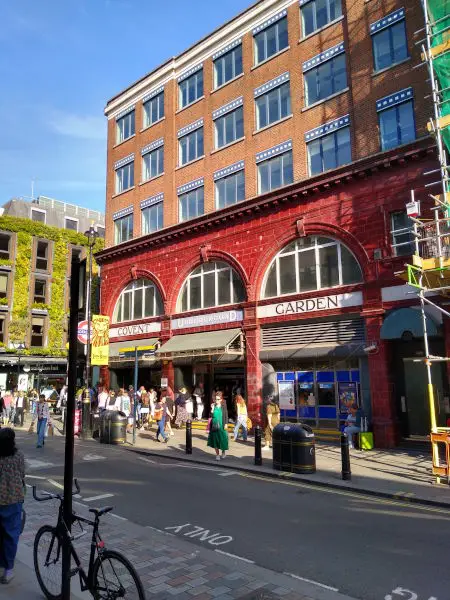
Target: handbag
{"x":158,"y":414}
{"x":50,"y":429}
{"x":249,"y":423}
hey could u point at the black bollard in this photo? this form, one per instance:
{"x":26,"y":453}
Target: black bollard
{"x":258,"y":438}
{"x":189,"y":437}
{"x":345,"y":456}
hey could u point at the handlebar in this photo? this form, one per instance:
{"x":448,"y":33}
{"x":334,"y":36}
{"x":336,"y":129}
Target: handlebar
{"x":48,"y":496}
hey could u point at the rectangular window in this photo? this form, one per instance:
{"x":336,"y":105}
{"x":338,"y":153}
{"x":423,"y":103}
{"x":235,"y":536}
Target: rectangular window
{"x":273,"y":106}
{"x":390,"y":46}
{"x":230,"y":190}
{"x":152,"y":218}
{"x":228,"y":66}
{"x":329,"y":151}
{"x":275,"y":172}
{"x":318,"y":13}
{"x":191,"y":204}
{"x":153,"y":164}
{"x":2,"y":330}
{"x":271,"y":40}
{"x":101,"y":231}
{"x":125,"y":178}
{"x":230,"y":127}
{"x":401,"y":232}
{"x":42,"y":251}
{"x":125,"y":127}
{"x":71,"y":224}
{"x":397,"y":125}
{"x":191,"y":88}
{"x":191,"y":146}
{"x":153,"y":110}
{"x":38,"y":215}
{"x":40,"y":287}
{"x":123,"y":229}
{"x":3,"y":285}
{"x":37,"y":332}
{"x":5,"y":240}
{"x":326,"y":79}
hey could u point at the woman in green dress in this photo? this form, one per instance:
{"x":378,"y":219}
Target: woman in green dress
{"x":218,"y":431}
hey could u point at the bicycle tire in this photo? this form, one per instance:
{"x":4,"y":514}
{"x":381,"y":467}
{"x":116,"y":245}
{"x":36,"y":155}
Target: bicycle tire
{"x":119,"y":588}
{"x":40,"y":553}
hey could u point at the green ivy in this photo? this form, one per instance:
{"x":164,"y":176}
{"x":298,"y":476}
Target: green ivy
{"x":4,"y":301}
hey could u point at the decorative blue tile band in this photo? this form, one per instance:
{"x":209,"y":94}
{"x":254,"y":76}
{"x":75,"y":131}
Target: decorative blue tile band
{"x":152,"y":200}
{"x":279,"y":149}
{"x":387,"y":21}
{"x":327,"y":128}
{"x":187,"y":74}
{"x":123,"y":212}
{"x":239,"y":166}
{"x":151,"y":95}
{"x":227,"y":48}
{"x":124,"y":161}
{"x":125,"y":111}
{"x":270,"y":21}
{"x":320,"y":58}
{"x":262,"y":89}
{"x":192,"y":185}
{"x":152,"y":146}
{"x":228,"y":107}
{"x":393,"y":99}
{"x":189,"y":128}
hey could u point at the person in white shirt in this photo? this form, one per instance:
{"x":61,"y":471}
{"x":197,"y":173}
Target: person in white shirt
{"x":20,"y":407}
{"x":152,"y":397}
{"x":43,"y":419}
{"x":198,"y":394}
{"x":113,"y":402}
{"x":102,"y":399}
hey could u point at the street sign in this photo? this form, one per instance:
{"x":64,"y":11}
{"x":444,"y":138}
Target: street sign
{"x":413,"y":209}
{"x":82,"y":333}
{"x":139,"y":349}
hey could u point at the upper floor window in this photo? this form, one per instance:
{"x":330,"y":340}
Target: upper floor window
{"x":273,"y":106}
{"x":139,"y":300}
{"x":191,"y":88}
{"x":396,"y":118}
{"x":318,"y":13}
{"x":42,"y":255}
{"x":38,"y":215}
{"x":329,"y":151}
{"x":152,"y":218}
{"x":229,"y":127}
{"x":309,"y":264}
{"x":101,"y":231}
{"x":125,"y":127}
{"x":191,"y":146}
{"x":153,"y":163}
{"x":37,"y":332}
{"x":3,"y":285}
{"x":274,"y":172}
{"x":153,"y":109}
{"x":2,"y":329}
{"x":5,"y":250}
{"x":389,"y":41}
{"x":228,"y":66}
{"x":123,"y":228}
{"x":271,"y":40}
{"x":191,"y":204}
{"x":230,"y":189}
{"x":327,"y":78}
{"x":71,"y":224}
{"x":39,"y":293}
{"x":401,"y":234}
{"x":125,"y":177}
{"x":211,"y":284}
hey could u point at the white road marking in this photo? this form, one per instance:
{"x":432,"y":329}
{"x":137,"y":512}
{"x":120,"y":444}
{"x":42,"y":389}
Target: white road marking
{"x":80,"y":503}
{"x":176,"y":465}
{"x":33,"y":463}
{"x":35,"y":476}
{"x":94,"y":457}
{"x":149,"y":460}
{"x":322,"y":585}
{"x":247,"y":560}
{"x":228,"y":473}
{"x":159,"y":530}
{"x":100,"y":497}
{"x":118,"y":517}
{"x":204,"y":535}
{"x":56,"y":484}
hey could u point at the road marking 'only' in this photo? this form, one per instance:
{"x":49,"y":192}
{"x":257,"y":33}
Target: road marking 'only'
{"x":204,"y":535}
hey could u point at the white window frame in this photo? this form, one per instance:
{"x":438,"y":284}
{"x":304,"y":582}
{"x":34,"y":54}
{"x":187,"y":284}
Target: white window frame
{"x":401,"y":231}
{"x":147,"y":162}
{"x":270,"y":160}
{"x":265,"y":98}
{"x":139,"y":284}
{"x":120,"y":130}
{"x":119,"y":179}
{"x":185,"y":195}
{"x":221,"y":122}
{"x":329,"y":20}
{"x":159,"y":209}
{"x":148,"y":122}
{"x":216,"y":188}
{"x":116,"y":229}
{"x":334,"y":135}
{"x":264,"y":32}
{"x":316,"y":70}
{"x":197,"y":155}
{"x":376,"y":35}
{"x":71,"y":219}
{"x":42,"y":212}
{"x":185,"y":82}
{"x":222,"y":58}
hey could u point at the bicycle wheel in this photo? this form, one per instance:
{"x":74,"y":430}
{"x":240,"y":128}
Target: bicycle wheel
{"x":115,"y":577}
{"x":47,"y":554}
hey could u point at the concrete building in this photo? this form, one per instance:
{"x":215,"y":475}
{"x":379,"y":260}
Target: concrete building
{"x":255,"y":214}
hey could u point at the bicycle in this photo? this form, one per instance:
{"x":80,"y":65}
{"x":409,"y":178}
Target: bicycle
{"x":110,"y":574}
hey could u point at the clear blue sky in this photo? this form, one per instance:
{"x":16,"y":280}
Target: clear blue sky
{"x":60,"y":60}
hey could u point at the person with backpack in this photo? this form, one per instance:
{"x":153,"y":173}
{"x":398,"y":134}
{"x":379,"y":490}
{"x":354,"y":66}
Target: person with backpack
{"x":160,"y":418}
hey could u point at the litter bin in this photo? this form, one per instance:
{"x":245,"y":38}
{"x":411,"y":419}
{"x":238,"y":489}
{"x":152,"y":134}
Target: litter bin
{"x":113,"y":428}
{"x":95,"y":424}
{"x":293,"y":448}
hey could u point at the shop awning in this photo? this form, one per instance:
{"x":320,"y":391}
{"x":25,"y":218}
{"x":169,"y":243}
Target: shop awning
{"x":122,"y":351}
{"x":407,"y":322}
{"x":312,"y":351}
{"x":210,"y":343}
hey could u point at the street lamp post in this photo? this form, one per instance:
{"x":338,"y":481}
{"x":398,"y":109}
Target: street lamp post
{"x":18,"y":346}
{"x":86,"y":430}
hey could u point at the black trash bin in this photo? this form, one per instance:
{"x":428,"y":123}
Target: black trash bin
{"x":113,"y":428}
{"x":294,"y":448}
{"x":96,"y":420}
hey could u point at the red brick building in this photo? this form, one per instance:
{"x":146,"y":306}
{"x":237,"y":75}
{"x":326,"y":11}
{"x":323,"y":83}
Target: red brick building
{"x":255,"y":214}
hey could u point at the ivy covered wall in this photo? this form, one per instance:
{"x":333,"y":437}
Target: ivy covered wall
{"x":21,"y":272}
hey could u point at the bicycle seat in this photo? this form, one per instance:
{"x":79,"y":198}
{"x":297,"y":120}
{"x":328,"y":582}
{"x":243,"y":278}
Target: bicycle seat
{"x":98,"y":512}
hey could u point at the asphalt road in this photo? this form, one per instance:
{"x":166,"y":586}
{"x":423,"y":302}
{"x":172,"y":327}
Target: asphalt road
{"x":362,"y":546}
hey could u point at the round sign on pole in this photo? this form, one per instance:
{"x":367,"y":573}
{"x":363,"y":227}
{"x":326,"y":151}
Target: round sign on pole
{"x":82,"y":333}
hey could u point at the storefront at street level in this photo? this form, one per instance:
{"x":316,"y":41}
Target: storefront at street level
{"x":34,"y":371}
{"x":305,"y":278}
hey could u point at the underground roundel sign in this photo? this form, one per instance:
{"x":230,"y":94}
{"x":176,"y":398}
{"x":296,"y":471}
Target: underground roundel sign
{"x":83,"y":332}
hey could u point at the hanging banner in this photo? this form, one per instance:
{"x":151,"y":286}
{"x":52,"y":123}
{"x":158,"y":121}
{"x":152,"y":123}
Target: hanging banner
{"x":286,"y":394}
{"x":22,"y":385}
{"x":100,"y":340}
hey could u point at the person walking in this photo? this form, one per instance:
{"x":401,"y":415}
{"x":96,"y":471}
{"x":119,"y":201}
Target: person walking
{"x":170,"y":409}
{"x":152,"y":399}
{"x":241,"y":418}
{"x":273,"y":418}
{"x":199,"y":394}
{"x":160,"y":415}
{"x":12,"y":488}
{"x":102,"y":399}
{"x":42,"y":416}
{"x":180,"y":403}
{"x":7,"y":407}
{"x":218,"y":436}
{"x":20,"y":408}
{"x":113,"y":402}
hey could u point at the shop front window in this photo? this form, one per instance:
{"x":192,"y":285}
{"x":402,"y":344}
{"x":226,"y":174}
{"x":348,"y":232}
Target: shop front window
{"x":309,"y":264}
{"x":139,"y":300}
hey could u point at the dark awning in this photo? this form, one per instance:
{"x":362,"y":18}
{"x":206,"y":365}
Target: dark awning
{"x":208,"y":343}
{"x":312,"y":351}
{"x":124,"y":351}
{"x":407,"y":321}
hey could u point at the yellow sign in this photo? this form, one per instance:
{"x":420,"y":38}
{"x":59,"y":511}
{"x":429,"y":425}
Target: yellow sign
{"x":100,"y":340}
{"x":138,"y":348}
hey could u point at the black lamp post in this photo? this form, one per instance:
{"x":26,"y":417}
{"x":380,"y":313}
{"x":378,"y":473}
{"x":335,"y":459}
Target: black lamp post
{"x":18,"y":346}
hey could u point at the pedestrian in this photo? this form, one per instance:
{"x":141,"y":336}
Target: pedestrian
{"x":160,"y":415}
{"x":218,"y":435}
{"x":102,"y":399}
{"x":42,"y":416}
{"x":20,"y":408}
{"x":273,"y":418}
{"x":12,"y":488}
{"x":170,"y":408}
{"x":351,"y":428}
{"x":180,"y":403}
{"x":241,"y":418}
{"x":198,"y":395}
{"x":7,"y":408}
{"x":113,"y":402}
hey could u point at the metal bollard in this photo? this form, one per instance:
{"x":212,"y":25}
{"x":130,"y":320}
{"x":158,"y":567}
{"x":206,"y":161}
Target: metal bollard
{"x":345,"y":456}
{"x":258,"y":439}
{"x":64,"y":420}
{"x":189,"y":437}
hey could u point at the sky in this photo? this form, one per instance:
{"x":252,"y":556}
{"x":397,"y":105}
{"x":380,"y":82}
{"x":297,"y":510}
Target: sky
{"x":60,"y":61}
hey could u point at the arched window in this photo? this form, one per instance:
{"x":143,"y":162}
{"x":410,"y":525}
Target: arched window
{"x":211,"y":284}
{"x":139,"y":300}
{"x":308,"y":264}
